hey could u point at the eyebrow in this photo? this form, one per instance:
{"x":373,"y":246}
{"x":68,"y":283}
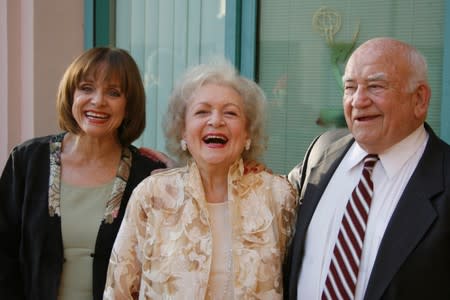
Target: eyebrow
{"x":114,"y":85}
{"x":372,"y":77}
{"x":87,"y":79}
{"x":377,"y":76}
{"x":109,"y":84}
{"x":209,"y":104}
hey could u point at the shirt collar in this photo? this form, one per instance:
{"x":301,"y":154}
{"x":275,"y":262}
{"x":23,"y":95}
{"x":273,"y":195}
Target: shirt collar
{"x":395,"y":157}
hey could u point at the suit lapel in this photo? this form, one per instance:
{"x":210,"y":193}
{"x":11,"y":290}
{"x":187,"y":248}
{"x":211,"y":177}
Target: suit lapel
{"x":322,"y":168}
{"x":411,"y":219}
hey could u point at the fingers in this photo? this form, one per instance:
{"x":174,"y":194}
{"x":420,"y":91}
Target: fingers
{"x":255,"y":167}
{"x":157,"y":155}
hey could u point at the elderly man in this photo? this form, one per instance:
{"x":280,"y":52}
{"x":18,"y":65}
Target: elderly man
{"x":388,"y":238}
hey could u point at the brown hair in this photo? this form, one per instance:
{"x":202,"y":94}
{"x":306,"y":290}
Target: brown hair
{"x":110,"y":63}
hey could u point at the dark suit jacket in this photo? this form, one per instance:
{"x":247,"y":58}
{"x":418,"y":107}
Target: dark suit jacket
{"x":413,"y":261}
{"x":31,"y":245}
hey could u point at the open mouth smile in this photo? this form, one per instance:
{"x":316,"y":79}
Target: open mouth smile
{"x":215,"y":139}
{"x":96,"y":115}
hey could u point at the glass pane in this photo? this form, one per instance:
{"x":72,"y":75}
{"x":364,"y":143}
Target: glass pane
{"x":303,"y":47}
{"x":165,"y":37}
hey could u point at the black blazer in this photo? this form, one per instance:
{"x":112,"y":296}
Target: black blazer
{"x":413,"y":261}
{"x":31,"y":246}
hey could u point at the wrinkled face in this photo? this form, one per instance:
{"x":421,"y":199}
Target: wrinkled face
{"x":380,"y":109}
{"x":99,"y":107}
{"x":215,"y":126}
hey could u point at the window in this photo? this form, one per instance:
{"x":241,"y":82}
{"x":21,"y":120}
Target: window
{"x":299,"y":64}
{"x":302,"y":49}
{"x":165,"y":37}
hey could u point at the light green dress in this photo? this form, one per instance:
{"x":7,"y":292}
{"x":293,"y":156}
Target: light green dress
{"x":82,"y":210}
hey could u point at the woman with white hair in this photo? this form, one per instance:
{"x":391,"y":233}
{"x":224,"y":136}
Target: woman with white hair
{"x":207,"y":230}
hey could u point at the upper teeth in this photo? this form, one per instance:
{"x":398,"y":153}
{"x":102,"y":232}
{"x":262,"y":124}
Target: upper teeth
{"x":215,"y":137}
{"x":96,"y":115}
{"x":218,"y":138}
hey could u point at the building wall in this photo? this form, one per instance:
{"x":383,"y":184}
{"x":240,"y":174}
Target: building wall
{"x":38,"y":39}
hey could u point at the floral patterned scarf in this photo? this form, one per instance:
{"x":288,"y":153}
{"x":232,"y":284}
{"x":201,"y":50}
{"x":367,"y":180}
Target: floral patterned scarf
{"x":120,"y":182}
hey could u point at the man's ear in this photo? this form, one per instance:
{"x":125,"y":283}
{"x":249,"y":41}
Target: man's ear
{"x":422,"y":96}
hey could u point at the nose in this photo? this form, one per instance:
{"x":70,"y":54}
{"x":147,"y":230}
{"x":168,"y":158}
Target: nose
{"x":216,"y":119}
{"x":360,"y":98}
{"x":97,"y":98}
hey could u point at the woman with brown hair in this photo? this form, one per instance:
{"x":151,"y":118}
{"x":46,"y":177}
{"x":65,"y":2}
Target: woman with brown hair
{"x":63,"y":196}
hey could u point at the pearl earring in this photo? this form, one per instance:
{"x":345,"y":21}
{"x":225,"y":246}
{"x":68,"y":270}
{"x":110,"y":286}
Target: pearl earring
{"x":183,"y":145}
{"x":248,"y":143}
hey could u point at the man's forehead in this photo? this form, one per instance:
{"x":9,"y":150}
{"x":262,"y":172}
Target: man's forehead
{"x":375,"y":59}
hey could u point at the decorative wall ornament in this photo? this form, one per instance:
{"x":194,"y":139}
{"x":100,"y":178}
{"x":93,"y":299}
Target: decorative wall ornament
{"x":327,"y":22}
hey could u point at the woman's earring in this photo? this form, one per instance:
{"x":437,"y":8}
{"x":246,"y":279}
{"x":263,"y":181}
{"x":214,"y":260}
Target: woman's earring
{"x":183,"y":145}
{"x":248,"y":143}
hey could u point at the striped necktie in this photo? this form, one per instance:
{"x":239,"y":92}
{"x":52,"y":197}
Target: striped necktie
{"x":344,"y":265}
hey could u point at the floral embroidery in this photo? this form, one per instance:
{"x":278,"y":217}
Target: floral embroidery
{"x":164,"y":246}
{"x":54,"y":189}
{"x":123,"y":172}
{"x":55,"y":176}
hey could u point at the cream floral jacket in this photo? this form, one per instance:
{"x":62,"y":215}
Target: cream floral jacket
{"x":163,"y":249}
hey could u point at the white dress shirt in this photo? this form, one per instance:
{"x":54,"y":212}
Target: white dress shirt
{"x":390,"y":176}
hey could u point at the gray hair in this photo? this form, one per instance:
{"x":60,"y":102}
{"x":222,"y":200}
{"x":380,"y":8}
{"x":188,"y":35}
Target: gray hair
{"x":224,"y":73}
{"x":418,"y":68}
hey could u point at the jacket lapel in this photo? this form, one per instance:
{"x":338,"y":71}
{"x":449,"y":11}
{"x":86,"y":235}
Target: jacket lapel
{"x":411,"y":219}
{"x":323,"y":163}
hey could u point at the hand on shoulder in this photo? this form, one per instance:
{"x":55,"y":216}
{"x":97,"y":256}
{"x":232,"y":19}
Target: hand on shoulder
{"x":255,"y":167}
{"x":159,"y":156}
